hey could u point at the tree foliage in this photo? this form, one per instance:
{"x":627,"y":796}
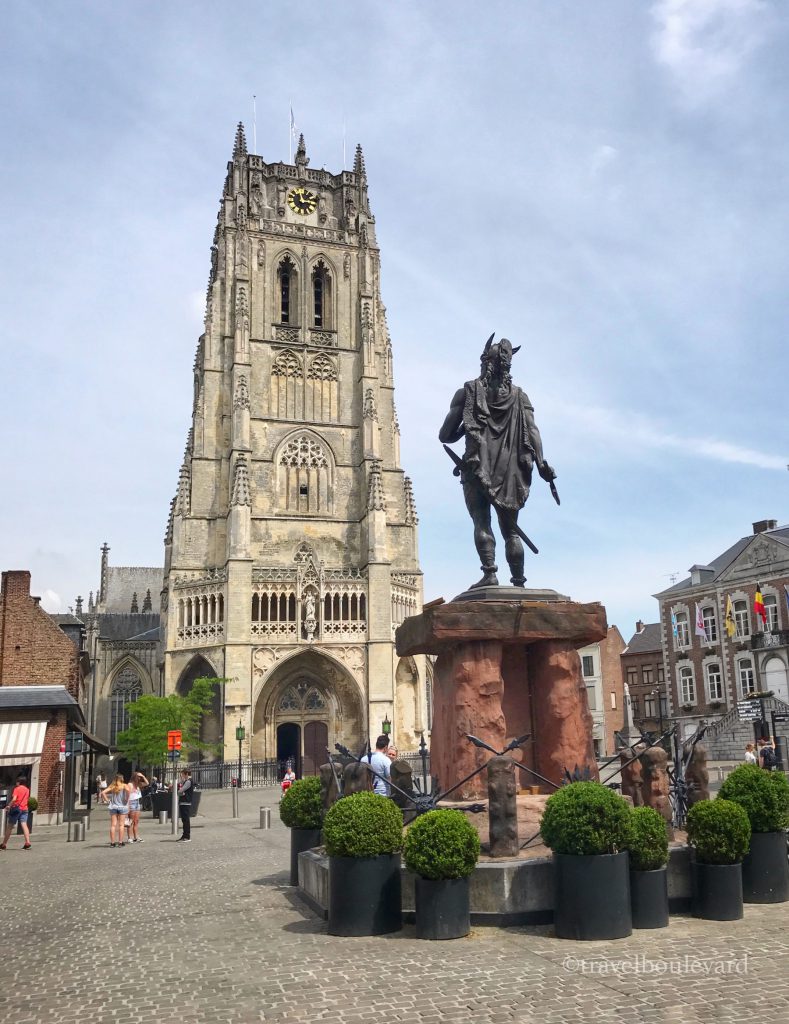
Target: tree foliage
{"x":151,"y":718}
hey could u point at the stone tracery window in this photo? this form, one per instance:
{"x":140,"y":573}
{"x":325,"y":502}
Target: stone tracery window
{"x":300,"y":697}
{"x":305,"y":476}
{"x":287,"y":385}
{"x":322,"y":389}
{"x":126,"y":689}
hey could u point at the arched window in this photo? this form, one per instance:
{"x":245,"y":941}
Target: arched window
{"x":287,"y":291}
{"x":771,"y":610}
{"x":746,"y":676}
{"x":321,"y":297}
{"x":681,"y":630}
{"x":126,"y":689}
{"x":687,"y":686}
{"x":304,"y":469}
{"x":322,"y":389}
{"x":287,"y":386}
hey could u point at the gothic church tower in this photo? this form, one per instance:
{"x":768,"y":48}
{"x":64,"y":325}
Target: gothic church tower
{"x":291,"y":548}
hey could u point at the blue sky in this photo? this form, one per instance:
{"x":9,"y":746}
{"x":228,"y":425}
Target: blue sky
{"x":605,"y":184}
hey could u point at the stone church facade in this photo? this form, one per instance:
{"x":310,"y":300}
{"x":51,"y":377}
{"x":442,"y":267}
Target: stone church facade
{"x":291,"y":548}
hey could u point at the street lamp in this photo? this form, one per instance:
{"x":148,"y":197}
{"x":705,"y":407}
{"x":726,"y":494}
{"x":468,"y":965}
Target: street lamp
{"x":240,"y":734}
{"x":386,"y":726}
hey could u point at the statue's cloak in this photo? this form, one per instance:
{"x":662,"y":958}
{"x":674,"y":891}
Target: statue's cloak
{"x":499,"y":449}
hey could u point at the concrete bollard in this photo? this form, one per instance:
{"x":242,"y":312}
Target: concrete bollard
{"x":162,"y":817}
{"x":265,"y":817}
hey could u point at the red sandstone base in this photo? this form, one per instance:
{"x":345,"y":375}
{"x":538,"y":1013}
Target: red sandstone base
{"x":506,"y":669}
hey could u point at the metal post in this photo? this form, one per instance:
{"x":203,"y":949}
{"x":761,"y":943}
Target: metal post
{"x":162,"y":817}
{"x":235,"y":801}
{"x":265,"y":817}
{"x":174,"y":808}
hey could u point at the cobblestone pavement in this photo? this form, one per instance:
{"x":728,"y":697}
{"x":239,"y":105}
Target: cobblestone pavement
{"x":210,"y":931}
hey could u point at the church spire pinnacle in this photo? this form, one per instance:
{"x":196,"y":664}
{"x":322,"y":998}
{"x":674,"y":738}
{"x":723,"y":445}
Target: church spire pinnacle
{"x":358,"y":162}
{"x":240,"y":143}
{"x":241,"y":493}
{"x":301,"y":152}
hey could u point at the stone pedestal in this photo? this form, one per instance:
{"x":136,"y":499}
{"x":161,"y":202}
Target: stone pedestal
{"x":507,"y":665}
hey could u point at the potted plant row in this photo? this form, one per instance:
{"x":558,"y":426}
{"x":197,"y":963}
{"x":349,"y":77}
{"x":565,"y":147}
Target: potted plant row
{"x":764,"y":796}
{"x":586,"y":825}
{"x":647,"y":844}
{"x":363,"y":835}
{"x":300,"y":810}
{"x":719,"y":833}
{"x":441,"y":848}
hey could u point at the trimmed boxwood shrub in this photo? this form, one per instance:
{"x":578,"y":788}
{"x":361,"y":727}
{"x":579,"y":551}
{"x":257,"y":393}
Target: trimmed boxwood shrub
{"x":363,"y":825}
{"x":764,"y":796}
{"x":719,"y":830}
{"x":441,"y":844}
{"x":647,"y":839}
{"x":300,"y":806}
{"x":32,"y":803}
{"x":584,"y":819}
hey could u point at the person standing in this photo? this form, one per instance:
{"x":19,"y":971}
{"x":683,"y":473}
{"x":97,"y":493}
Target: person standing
{"x":380,"y":764}
{"x":185,"y":790}
{"x":750,"y":754}
{"x":768,"y":756}
{"x":17,"y":812}
{"x":138,"y":781}
{"x":117,"y":796}
{"x":101,"y":785}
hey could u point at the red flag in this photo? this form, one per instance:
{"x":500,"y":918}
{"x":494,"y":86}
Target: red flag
{"x":758,"y":604}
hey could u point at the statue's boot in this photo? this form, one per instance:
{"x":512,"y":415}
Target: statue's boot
{"x":489,"y":578}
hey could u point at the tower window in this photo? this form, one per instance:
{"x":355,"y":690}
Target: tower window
{"x":318,"y":293}
{"x":286,"y":274}
{"x":321,"y":297}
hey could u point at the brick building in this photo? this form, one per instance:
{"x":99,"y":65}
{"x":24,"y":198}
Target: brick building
{"x":42,"y":692}
{"x":645,"y":675}
{"x":602,"y":672}
{"x":709,"y":674}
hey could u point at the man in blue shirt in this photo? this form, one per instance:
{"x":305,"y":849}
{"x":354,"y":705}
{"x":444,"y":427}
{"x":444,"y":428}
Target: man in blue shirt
{"x":380,"y":763}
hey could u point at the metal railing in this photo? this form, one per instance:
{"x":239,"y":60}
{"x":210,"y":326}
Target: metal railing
{"x":220,"y":774}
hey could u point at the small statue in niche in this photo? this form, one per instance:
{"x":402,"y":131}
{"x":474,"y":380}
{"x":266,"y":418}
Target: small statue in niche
{"x":261,"y":254}
{"x":241,"y":214}
{"x":322,"y":215}
{"x":346,"y":266}
{"x":502,"y":808}
{"x":256,"y":200}
{"x":282,"y":193}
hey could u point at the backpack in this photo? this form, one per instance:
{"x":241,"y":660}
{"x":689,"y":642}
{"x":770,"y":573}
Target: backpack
{"x":769,"y":757}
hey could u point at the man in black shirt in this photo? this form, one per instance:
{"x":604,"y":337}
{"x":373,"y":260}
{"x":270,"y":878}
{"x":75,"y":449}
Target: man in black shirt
{"x":185,"y":806}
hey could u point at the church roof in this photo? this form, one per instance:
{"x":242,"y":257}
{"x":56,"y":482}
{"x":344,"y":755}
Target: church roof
{"x":129,"y":626}
{"x":66,"y":619}
{"x":124,"y":581}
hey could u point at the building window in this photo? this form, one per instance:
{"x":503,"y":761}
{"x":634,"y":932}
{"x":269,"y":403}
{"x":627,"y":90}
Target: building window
{"x":771,"y":608}
{"x":687,"y":686}
{"x":646,"y":675}
{"x":613,"y":702}
{"x":682,"y":630}
{"x":746,"y":676}
{"x":742,"y":618}
{"x":710,"y":624}
{"x":635,"y":706}
{"x":664,"y":706}
{"x":649,"y":706}
{"x":632,"y":677}
{"x":286,"y":278}
{"x":588,"y":665}
{"x":321,"y":297}
{"x":714,"y":682}
{"x":591,"y":697}
{"x":661,"y":674}
{"x":126,"y":689}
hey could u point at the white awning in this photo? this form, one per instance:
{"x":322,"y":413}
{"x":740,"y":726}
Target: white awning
{"x":21,"y":742}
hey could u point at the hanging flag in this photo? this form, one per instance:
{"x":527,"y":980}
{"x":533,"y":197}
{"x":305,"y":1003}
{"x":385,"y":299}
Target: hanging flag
{"x":758,"y":605}
{"x":674,"y":628}
{"x":293,"y":129}
{"x":700,"y":630}
{"x":729,"y":623}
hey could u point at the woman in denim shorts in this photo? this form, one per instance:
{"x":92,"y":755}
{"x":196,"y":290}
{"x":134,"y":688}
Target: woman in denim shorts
{"x":138,"y":782}
{"x":117,"y":796}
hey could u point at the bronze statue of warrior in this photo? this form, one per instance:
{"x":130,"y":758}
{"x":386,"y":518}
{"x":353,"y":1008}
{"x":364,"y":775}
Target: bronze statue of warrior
{"x":502,"y":445}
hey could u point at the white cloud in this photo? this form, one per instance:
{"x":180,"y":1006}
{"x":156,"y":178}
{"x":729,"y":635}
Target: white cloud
{"x":705,"y":43}
{"x":51,"y":601}
{"x":631,"y":430}
{"x":601,"y":158}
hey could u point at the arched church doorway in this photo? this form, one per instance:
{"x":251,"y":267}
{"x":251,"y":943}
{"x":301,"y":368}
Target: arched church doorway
{"x":315,"y":695}
{"x":211,"y":724}
{"x":289,"y":747}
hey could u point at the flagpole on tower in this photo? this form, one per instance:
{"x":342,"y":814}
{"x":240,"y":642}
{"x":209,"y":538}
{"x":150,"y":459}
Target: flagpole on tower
{"x":254,"y":124}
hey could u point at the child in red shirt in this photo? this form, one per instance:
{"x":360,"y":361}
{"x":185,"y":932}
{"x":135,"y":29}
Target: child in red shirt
{"x":17,"y":812}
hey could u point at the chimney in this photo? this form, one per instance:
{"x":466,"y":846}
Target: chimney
{"x":16,"y":583}
{"x":765,"y":524}
{"x":639,"y":626}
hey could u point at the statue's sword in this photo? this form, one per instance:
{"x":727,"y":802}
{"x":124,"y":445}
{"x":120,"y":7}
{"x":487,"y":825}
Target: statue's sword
{"x":458,"y":470}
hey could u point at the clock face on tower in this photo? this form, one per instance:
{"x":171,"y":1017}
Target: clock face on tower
{"x":302,"y":200}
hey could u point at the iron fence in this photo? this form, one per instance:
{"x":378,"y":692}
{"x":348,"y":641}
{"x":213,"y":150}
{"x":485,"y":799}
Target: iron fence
{"x":222,"y":774}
